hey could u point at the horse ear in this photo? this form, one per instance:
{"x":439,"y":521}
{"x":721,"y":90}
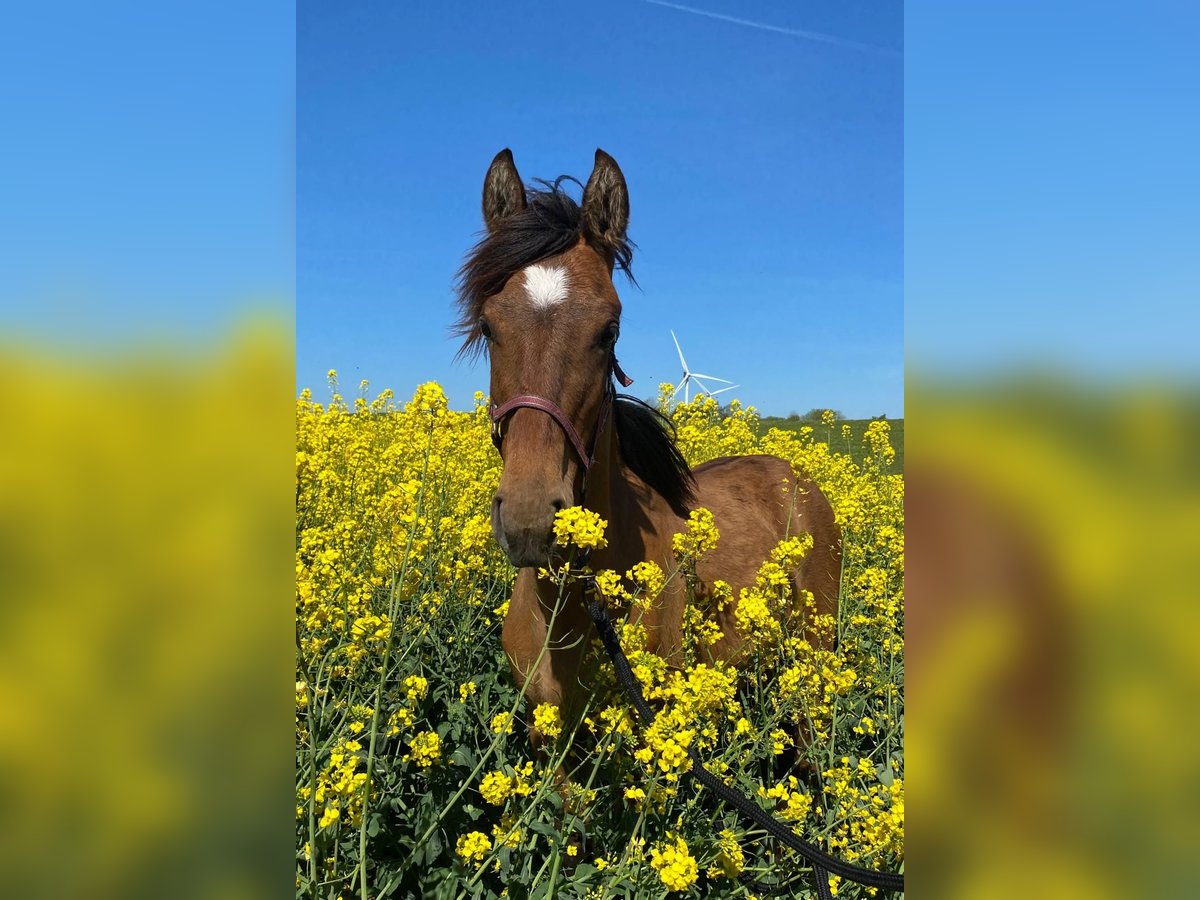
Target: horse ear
{"x":503,"y":192}
{"x":605,"y":205}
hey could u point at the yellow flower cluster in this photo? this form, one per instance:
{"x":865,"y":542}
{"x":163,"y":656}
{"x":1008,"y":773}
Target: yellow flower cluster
{"x":579,"y":527}
{"x":496,"y":787}
{"x":698,"y":538}
{"x":700,"y":631}
{"x":877,"y":438}
{"x":730,"y":858}
{"x":415,"y":688}
{"x":870,"y":808}
{"x":396,"y":564}
{"x":426,"y":749}
{"x":762,"y":610}
{"x":614,"y":720}
{"x":341,"y":786}
{"x":508,"y":833}
{"x":793,"y":804}
{"x":695,"y":702}
{"x":367,"y":634}
{"x":703,"y":432}
{"x":674,"y":865}
{"x":647,"y":580}
{"x":401,"y":718}
{"x":814,"y":683}
{"x":548,"y":720}
{"x":363,"y":476}
{"x":473,"y":846}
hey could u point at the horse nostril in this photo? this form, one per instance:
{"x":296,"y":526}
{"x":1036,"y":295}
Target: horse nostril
{"x":496,"y":501}
{"x":559,"y":505}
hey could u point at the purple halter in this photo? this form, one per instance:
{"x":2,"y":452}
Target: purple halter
{"x":532,"y":401}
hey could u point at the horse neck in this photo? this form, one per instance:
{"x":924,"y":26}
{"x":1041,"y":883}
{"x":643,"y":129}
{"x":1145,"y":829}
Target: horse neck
{"x":610,"y":495}
{"x":607,"y":494}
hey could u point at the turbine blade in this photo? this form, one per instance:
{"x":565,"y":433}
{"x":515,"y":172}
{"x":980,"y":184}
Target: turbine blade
{"x":682,"y":361}
{"x":712,"y":378}
{"x":723,"y":390}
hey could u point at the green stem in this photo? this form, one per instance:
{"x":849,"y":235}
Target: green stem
{"x":496,"y":741}
{"x":393,"y":605}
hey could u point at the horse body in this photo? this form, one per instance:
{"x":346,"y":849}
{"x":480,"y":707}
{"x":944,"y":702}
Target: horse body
{"x":537,"y":292}
{"x":753,"y":506}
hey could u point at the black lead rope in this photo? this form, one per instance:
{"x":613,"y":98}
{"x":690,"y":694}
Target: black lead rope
{"x":823,"y":864}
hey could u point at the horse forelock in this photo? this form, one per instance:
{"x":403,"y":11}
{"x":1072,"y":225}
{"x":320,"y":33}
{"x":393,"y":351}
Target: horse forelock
{"x":550,"y":224}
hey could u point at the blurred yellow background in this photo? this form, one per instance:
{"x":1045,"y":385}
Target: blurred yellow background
{"x":1051,"y":626}
{"x":146,"y":627}
{"x":147,"y":635}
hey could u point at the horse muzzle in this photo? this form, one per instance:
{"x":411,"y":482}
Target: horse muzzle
{"x":524,"y":529}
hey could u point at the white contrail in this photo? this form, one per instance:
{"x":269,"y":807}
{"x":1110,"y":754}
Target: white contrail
{"x":794,"y":32}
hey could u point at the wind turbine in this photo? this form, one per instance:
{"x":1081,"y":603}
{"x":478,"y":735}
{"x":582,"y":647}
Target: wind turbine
{"x":689,"y":376}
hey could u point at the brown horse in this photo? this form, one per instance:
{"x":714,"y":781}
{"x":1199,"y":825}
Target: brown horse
{"x":537,"y":294}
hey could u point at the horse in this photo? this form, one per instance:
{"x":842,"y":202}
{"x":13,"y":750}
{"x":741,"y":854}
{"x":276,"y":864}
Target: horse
{"x":536,"y":295}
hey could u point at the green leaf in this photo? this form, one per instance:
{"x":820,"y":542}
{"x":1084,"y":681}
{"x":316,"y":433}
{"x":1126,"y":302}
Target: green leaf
{"x":434,"y":848}
{"x":544,"y":828}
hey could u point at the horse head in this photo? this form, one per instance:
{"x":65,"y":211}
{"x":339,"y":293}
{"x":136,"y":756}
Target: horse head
{"x":538,"y":298}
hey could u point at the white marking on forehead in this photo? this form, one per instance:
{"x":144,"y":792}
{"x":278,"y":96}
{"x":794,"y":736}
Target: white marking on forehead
{"x":546,"y":285}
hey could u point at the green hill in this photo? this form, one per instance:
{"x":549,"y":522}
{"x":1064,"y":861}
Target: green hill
{"x":832,"y":435}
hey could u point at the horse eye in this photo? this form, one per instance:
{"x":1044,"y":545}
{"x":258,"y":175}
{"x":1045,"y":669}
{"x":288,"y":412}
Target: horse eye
{"x":609,"y":335}
{"x":485,"y":329}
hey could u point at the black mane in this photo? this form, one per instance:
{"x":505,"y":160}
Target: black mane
{"x":550,"y":223}
{"x":647,"y":441}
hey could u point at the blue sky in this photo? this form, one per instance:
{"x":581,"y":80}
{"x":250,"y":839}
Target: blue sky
{"x":763,"y":156}
{"x":1052,"y":194}
{"x":146,"y":169}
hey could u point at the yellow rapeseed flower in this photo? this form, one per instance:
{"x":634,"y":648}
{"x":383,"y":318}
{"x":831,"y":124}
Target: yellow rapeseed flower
{"x":331,"y":815}
{"x":675,"y":866}
{"x":416,"y":687}
{"x":473,"y":846}
{"x":579,"y":527}
{"x":548,"y":720}
{"x":699,"y":537}
{"x":385,"y":488}
{"x":496,"y":788}
{"x":730,"y":857}
{"x":649,"y":579}
{"x":426,"y":749}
